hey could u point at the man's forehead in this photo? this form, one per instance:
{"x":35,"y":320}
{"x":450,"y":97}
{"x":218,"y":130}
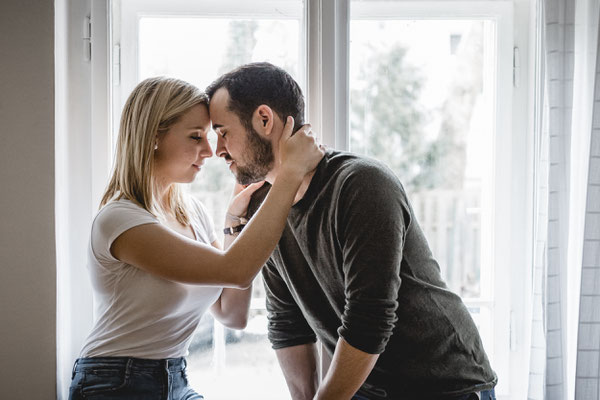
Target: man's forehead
{"x":219,"y":100}
{"x":218,"y":106}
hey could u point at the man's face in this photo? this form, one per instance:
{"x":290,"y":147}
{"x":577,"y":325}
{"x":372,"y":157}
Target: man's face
{"x":250,"y":156}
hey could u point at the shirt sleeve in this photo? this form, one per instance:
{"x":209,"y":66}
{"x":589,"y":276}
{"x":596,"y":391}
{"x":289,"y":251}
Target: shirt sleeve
{"x":372,"y":219}
{"x":112,"y":221}
{"x":287,"y":325}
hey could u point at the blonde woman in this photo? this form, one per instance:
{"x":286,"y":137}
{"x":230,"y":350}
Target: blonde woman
{"x":155,"y":262}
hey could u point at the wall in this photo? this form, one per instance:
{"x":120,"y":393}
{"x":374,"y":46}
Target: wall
{"x":74,"y":205}
{"x":27,"y":239}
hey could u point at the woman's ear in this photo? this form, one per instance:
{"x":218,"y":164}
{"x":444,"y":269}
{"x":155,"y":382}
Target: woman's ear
{"x":262,"y":120}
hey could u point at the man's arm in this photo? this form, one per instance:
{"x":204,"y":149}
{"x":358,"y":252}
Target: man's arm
{"x":371,"y":207}
{"x":291,"y":336}
{"x":348,"y":370}
{"x":300,"y":369}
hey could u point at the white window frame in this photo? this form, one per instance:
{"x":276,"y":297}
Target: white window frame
{"x":328,"y":110}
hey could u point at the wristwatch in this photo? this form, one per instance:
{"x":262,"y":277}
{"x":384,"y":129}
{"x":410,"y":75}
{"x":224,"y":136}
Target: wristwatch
{"x":230,"y":230}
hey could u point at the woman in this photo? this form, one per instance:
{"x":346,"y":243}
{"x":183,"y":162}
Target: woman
{"x":154,"y":259}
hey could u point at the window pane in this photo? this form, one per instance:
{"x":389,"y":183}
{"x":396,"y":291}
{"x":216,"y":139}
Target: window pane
{"x":420,"y":101}
{"x":223,"y":363}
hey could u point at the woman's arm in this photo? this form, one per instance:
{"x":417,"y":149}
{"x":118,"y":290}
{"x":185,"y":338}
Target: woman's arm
{"x":233,"y":306}
{"x":163,"y":252}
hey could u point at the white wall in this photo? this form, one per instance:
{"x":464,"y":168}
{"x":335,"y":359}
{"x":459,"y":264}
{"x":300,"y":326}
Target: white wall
{"x":27,"y":239}
{"x":74,"y":205}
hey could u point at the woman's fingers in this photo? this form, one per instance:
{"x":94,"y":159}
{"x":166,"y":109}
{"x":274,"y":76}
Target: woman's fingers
{"x":253,"y":187}
{"x":288,"y":128}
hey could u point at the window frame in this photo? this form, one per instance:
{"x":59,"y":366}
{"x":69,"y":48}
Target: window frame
{"x":327,"y":51}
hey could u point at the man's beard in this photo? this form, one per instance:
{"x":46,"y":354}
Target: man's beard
{"x":258,"y":159}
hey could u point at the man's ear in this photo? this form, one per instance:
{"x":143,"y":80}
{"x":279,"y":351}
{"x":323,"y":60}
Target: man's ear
{"x":262,"y":120}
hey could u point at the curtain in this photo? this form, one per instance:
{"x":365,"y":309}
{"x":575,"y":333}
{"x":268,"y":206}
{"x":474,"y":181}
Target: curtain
{"x":564,"y":356}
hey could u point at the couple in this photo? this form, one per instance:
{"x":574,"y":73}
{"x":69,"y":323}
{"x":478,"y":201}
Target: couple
{"x":344,"y":258}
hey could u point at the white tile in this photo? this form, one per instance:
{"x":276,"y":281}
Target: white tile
{"x":538,"y":361}
{"x":554,"y":372}
{"x":586,"y":388}
{"x":590,"y":281}
{"x":594,"y":175}
{"x":552,"y":10}
{"x":591,"y":254}
{"x":553,"y":265}
{"x":555,"y":66}
{"x":555,"y":392}
{"x":592,"y":226}
{"x":569,"y":31}
{"x":553,"y":234}
{"x":586,"y":309}
{"x":569,"y":11}
{"x":596,"y":116}
{"x":593,"y":199}
{"x":589,"y":337}
{"x":536,"y":387}
{"x":554,"y":344}
{"x":556,"y":148}
{"x":595,"y":144}
{"x":555,"y":95}
{"x":553,"y":317}
{"x":587,"y":364}
{"x":554,"y":37}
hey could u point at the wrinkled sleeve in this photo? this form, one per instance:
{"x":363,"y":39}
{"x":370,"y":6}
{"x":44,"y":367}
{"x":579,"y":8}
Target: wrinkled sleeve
{"x":287,"y":325}
{"x":112,"y":221}
{"x":372,"y":218}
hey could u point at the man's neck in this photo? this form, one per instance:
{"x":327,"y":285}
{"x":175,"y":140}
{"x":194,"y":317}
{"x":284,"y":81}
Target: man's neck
{"x":303,"y":185}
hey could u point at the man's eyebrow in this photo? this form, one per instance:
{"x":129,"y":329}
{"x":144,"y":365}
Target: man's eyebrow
{"x":217,"y":126}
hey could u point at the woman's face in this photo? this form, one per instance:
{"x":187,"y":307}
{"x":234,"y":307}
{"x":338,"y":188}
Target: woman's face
{"x":182,"y":149}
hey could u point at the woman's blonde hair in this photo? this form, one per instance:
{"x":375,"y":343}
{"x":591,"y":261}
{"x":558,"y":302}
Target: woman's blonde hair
{"x":153,"y":107}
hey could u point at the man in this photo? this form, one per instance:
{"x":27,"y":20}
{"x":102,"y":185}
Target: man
{"x":352,"y":268}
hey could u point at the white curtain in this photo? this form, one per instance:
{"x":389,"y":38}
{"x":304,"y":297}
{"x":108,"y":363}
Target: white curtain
{"x":565,"y":342}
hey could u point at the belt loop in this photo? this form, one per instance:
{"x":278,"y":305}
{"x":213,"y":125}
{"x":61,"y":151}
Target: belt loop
{"x":128,"y":368}
{"x":74,"y":368}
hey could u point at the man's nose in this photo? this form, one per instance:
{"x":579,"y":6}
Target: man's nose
{"x":221,"y":150}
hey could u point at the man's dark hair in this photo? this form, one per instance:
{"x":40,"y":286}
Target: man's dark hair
{"x":253,"y":84}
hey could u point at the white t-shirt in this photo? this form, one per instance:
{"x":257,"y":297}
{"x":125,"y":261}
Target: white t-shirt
{"x":138,"y":314}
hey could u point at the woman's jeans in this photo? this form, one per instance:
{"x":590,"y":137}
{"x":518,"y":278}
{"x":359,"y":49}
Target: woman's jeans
{"x":116,"y":378}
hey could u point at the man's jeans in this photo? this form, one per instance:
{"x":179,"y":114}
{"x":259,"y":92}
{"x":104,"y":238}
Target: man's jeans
{"x":115,"y":378}
{"x":483,"y":395}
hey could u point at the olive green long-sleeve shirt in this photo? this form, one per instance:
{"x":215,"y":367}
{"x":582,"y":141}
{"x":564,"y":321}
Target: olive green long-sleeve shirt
{"x":353,"y":262}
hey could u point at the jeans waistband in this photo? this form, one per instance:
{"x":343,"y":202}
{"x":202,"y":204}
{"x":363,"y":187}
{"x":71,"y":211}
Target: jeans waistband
{"x":171,"y":364}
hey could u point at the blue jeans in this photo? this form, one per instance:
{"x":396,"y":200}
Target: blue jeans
{"x":116,"y":378}
{"x":483,"y":395}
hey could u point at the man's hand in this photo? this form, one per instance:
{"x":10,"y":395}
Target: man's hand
{"x":349,"y":369}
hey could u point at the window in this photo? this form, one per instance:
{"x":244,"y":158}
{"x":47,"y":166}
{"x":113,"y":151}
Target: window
{"x":198,"y":43}
{"x":453,"y":134}
{"x":423,"y":91}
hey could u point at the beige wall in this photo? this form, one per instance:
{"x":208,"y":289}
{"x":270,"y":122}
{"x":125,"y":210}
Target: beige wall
{"x":27,"y":238}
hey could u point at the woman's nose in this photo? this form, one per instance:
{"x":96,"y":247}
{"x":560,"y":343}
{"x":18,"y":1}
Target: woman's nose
{"x":206,"y":150}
